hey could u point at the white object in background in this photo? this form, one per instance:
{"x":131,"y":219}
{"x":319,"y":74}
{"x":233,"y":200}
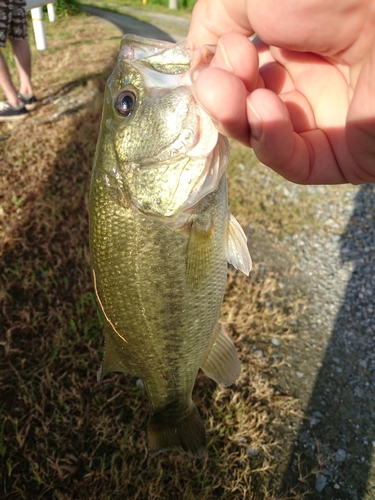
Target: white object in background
{"x":38,"y":25}
{"x":35,"y":6}
{"x":31,"y":4}
{"x":51,"y":12}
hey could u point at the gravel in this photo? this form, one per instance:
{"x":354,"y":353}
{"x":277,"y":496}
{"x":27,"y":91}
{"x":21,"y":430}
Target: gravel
{"x":332,"y":362}
{"x":321,"y":481}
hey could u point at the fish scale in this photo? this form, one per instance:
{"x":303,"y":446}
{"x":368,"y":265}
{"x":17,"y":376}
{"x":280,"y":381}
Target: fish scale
{"x":160,"y":238}
{"x":145,"y":293}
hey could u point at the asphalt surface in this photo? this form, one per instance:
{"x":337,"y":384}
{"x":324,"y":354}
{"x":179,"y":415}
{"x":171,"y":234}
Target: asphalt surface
{"x":130,"y":25}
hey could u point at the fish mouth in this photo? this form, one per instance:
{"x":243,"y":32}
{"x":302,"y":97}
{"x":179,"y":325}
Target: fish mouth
{"x":196,"y":141}
{"x":139,"y":48}
{"x":214,"y":168}
{"x":188,"y":156}
{"x":176,"y":201}
{"x":208,"y":149}
{"x":206,"y":136}
{"x":196,"y":169}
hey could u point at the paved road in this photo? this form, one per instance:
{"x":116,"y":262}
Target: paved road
{"x":129,"y":24}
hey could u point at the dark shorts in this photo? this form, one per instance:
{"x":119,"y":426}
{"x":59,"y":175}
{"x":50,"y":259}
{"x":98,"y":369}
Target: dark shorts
{"x":13,"y":20}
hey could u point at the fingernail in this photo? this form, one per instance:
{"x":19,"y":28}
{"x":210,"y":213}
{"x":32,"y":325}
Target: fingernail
{"x":255,"y":122}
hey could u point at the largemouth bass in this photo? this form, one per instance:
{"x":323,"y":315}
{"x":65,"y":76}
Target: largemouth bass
{"x":161,"y":236}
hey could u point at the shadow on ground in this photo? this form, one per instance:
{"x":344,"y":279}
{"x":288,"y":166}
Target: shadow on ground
{"x":337,"y":439}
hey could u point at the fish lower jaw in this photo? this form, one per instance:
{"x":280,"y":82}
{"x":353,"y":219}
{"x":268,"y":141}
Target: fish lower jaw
{"x":206,"y":136}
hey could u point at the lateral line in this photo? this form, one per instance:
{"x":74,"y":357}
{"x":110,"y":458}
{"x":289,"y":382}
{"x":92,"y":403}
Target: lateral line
{"x":102,"y":308}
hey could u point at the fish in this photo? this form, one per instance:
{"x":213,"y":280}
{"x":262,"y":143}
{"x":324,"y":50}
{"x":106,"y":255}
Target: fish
{"x":161,"y":237}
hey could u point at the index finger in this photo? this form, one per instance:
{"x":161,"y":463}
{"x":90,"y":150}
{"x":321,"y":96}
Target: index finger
{"x":212,"y":18}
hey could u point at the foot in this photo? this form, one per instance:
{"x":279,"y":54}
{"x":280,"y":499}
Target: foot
{"x":9,"y":113}
{"x":29,"y":101}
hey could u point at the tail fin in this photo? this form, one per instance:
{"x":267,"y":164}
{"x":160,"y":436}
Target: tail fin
{"x":188,"y":434}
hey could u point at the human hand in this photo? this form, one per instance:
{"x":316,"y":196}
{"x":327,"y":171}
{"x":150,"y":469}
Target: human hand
{"x":303,"y":94}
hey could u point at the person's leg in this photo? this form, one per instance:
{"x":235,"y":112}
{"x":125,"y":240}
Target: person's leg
{"x":6,"y":84}
{"x":22,"y":57}
{"x":13,"y":108}
{"x":8,"y":27}
{"x":13,"y":24}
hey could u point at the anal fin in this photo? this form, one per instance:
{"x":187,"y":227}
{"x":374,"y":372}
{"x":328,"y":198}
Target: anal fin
{"x":237,"y":252}
{"x":221,"y":363}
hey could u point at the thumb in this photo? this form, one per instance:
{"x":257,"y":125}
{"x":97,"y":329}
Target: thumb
{"x":304,"y":158}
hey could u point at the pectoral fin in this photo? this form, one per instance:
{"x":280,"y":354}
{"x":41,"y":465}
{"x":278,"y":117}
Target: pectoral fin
{"x":221,"y":363}
{"x":237,"y":252}
{"x":200,"y":258}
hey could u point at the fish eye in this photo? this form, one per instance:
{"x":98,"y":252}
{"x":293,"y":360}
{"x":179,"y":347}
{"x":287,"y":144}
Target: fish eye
{"x":125,"y":102}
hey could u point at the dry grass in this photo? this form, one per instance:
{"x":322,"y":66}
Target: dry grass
{"x":63,"y":436}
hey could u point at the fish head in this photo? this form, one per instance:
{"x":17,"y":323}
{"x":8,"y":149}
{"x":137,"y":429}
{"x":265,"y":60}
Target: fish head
{"x":168,"y":154}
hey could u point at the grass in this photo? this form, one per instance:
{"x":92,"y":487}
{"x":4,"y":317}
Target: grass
{"x":63,"y":436}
